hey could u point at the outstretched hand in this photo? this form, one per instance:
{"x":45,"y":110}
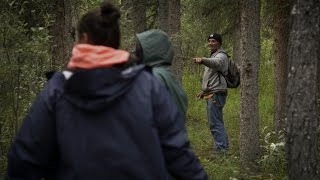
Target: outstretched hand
{"x":200,"y":95}
{"x":197,"y":60}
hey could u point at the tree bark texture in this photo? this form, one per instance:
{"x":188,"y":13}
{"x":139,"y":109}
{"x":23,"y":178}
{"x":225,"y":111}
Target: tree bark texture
{"x":249,"y":111}
{"x":163,"y":15}
{"x":236,"y":40}
{"x":170,"y":22}
{"x":280,"y":46}
{"x":65,"y":14}
{"x":134,"y":22}
{"x":303,"y":91}
{"x":139,"y":15}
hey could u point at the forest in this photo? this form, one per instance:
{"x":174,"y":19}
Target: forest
{"x":272,"y":118}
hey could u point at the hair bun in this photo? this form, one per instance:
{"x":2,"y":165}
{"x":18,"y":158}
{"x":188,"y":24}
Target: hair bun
{"x":109,"y":12}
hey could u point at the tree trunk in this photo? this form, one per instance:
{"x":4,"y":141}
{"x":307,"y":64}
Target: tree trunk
{"x":303,"y":91}
{"x":236,"y":40}
{"x":126,"y":26}
{"x":169,"y":20}
{"x":66,"y":15}
{"x":163,"y":15}
{"x":139,"y":16}
{"x":133,"y":22}
{"x":174,"y":31}
{"x":280,"y":46}
{"x":249,"y":115}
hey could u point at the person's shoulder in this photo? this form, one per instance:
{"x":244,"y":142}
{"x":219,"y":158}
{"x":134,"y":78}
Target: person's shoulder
{"x":146,"y":77}
{"x":146,"y":73}
{"x":54,"y":86}
{"x":153,"y":78}
{"x":56,"y":80}
{"x":222,"y":55}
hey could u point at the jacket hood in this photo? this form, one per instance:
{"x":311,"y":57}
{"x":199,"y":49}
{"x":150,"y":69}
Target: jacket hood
{"x":95,"y":89}
{"x":88,"y":56}
{"x":156,"y":47}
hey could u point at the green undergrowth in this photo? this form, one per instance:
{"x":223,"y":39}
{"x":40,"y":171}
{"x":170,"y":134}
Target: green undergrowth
{"x":227,"y":165}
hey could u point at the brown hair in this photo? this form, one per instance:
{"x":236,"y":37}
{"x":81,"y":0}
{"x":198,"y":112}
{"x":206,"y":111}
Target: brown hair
{"x":101,"y":26}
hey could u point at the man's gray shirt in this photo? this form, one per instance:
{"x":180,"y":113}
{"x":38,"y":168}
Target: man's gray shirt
{"x":215,"y":65}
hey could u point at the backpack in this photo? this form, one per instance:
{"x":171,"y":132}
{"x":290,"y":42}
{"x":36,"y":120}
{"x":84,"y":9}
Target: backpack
{"x":233,"y":75}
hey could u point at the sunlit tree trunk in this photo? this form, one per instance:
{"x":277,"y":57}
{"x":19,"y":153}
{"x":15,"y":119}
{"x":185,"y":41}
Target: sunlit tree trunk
{"x":65,"y":14}
{"x":250,"y":56}
{"x":303,"y":91}
{"x":280,"y":46}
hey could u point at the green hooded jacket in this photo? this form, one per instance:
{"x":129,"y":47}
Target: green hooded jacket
{"x":158,"y":54}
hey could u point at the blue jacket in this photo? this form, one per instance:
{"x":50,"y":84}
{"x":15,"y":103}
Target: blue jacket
{"x":103,"y":124}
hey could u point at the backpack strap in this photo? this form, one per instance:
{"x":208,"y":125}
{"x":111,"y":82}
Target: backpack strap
{"x":220,"y":73}
{"x":228,"y":63}
{"x":224,"y":53}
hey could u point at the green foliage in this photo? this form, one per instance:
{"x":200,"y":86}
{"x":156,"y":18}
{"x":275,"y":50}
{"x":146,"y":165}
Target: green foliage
{"x":23,"y":59}
{"x":90,"y":5}
{"x":152,"y":14}
{"x":127,"y":27}
{"x":127,"y":30}
{"x":208,"y":17}
{"x":192,"y":86}
{"x":222,"y":166}
{"x":226,"y":166}
{"x":273,"y":146}
{"x":267,"y":10}
{"x":266,"y":84}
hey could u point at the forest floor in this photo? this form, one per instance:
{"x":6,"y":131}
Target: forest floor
{"x":272,"y":163}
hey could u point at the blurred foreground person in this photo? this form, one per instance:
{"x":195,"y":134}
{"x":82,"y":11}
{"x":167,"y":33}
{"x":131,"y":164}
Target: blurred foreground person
{"x":101,"y":118}
{"x":155,"y":49}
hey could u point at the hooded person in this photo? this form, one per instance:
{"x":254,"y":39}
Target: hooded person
{"x":155,"y":49}
{"x":102,"y":118}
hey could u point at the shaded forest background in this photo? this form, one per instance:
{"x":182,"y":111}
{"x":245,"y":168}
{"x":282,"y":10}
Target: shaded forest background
{"x":275,"y":44}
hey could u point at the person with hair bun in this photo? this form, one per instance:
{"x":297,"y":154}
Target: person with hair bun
{"x":102,"y":118}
